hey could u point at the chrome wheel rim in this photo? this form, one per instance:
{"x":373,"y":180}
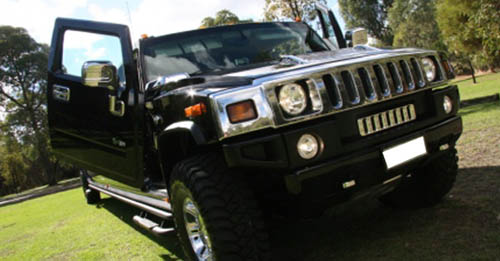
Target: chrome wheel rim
{"x":196,"y":231}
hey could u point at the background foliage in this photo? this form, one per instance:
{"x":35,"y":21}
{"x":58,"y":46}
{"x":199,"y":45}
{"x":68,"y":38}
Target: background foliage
{"x":371,"y":15}
{"x":25,"y":160}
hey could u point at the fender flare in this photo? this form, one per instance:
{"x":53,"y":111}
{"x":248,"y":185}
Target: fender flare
{"x":184,"y":127}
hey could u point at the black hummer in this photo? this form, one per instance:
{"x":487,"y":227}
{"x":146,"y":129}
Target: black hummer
{"x":216,"y":128}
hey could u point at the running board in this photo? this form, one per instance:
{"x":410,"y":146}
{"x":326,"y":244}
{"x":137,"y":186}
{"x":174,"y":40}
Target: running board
{"x":155,"y":211}
{"x":151,"y":226}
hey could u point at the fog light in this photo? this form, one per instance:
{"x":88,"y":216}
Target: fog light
{"x":308,"y":146}
{"x":447,"y":104}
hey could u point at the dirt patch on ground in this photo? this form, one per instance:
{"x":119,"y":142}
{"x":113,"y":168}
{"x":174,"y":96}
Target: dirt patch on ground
{"x":479,"y":148}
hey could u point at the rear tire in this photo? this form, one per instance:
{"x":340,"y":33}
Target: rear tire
{"x":227,"y":215}
{"x":92,"y":196}
{"x":428,"y":185}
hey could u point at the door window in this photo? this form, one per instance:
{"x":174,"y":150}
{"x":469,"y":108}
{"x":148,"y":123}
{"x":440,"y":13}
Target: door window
{"x":80,"y":47}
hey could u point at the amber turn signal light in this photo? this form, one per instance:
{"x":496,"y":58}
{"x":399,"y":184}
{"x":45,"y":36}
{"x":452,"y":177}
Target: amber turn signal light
{"x":195,"y":110}
{"x":241,"y":111}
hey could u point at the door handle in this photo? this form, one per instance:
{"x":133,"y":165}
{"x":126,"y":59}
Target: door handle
{"x":117,"y":108}
{"x":61,"y":93}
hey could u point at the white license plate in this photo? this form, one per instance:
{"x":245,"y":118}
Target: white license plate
{"x":405,"y":152}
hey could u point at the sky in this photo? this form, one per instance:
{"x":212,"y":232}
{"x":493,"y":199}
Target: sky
{"x":152,"y":17}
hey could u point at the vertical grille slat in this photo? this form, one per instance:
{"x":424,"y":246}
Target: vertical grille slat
{"x":350,"y":87}
{"x":382,"y":80}
{"x":407,"y":74}
{"x":418,"y":72}
{"x":333,"y":91}
{"x":367,"y":84}
{"x":396,"y":78}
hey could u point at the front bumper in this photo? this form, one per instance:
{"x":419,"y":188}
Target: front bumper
{"x":367,"y":167}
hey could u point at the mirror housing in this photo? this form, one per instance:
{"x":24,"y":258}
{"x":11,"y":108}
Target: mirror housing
{"x":357,"y":36}
{"x":101,"y":74}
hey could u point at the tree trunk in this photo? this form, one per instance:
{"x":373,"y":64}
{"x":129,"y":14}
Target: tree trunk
{"x":472,"y":71}
{"x":49,"y":170}
{"x":42,"y":147}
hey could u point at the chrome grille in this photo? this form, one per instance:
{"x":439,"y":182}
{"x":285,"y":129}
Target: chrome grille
{"x":367,"y":83}
{"x":386,"y":120}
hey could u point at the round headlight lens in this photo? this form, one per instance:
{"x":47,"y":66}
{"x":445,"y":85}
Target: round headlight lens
{"x":308,"y":146}
{"x":429,"y":69}
{"x":447,"y":104}
{"x":293,"y":99}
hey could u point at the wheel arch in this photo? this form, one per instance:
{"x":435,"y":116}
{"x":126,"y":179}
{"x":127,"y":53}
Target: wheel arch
{"x":178,"y":141}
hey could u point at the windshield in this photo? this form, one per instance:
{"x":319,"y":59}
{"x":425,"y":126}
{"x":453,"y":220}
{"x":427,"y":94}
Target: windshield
{"x":226,"y":49}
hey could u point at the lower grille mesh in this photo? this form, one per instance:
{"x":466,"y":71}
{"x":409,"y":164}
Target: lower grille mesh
{"x":386,"y":120}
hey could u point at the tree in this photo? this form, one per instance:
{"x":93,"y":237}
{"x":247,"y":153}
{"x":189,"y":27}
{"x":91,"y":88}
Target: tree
{"x":277,"y":10}
{"x":414,"y":24}
{"x":471,"y":28}
{"x":223,"y":17}
{"x":23,"y":70}
{"x":487,"y":22}
{"x":369,"y":14}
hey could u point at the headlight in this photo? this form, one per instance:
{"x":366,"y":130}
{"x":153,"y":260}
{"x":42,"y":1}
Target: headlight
{"x":429,"y":69}
{"x":292,"y":99}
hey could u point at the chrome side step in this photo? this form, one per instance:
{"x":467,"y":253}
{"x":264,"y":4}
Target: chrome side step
{"x":151,"y":226}
{"x":155,"y":211}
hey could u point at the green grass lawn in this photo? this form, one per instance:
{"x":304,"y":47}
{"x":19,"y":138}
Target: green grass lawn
{"x":487,"y":84}
{"x":63,"y":227}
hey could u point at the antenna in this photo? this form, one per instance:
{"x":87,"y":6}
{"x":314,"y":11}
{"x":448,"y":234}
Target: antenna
{"x":130,"y":21}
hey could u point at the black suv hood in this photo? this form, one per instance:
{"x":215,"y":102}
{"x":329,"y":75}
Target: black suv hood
{"x":314,"y":59}
{"x":213,"y":83}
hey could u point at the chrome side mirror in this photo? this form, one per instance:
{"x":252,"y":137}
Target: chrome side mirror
{"x":358,"y":36}
{"x":103,"y":74}
{"x":100,"y":74}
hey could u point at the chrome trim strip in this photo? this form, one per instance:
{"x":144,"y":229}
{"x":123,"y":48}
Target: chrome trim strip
{"x":340,"y":102}
{"x":147,"y":208}
{"x":392,"y":179}
{"x":265,"y":116}
{"x":317,"y":88}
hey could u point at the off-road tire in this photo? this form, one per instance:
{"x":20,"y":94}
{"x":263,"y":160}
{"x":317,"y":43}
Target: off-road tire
{"x":228,"y":207}
{"x":92,"y":196}
{"x":428,"y":185}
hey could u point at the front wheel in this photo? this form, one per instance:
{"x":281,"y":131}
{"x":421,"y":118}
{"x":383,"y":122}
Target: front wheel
{"x":215,"y":214}
{"x":428,"y":185}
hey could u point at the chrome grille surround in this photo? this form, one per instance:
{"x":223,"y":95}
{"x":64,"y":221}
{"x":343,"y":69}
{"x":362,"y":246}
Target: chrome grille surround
{"x":385,"y":120}
{"x":272,"y":116}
